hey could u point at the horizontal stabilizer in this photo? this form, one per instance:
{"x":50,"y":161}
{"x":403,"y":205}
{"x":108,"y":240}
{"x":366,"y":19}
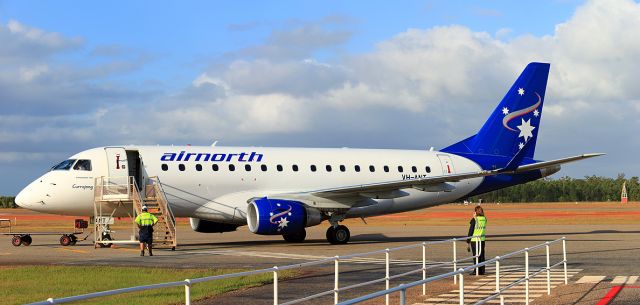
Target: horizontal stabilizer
{"x":545,"y":164}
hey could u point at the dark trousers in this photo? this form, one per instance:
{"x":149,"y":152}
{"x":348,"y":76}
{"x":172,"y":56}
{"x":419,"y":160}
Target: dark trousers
{"x":481,"y":257}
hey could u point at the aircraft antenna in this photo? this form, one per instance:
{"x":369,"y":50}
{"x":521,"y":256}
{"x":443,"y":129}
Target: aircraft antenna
{"x":214,"y":143}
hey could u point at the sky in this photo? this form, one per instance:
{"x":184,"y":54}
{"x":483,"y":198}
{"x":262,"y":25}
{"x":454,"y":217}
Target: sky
{"x":372,"y":74}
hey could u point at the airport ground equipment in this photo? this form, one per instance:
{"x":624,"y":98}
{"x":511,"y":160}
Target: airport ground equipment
{"x":457,"y":274}
{"x":123,"y":194}
{"x":25,"y":239}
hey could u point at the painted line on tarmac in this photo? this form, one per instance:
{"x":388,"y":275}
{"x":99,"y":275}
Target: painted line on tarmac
{"x":307,"y":257}
{"x":72,"y":250}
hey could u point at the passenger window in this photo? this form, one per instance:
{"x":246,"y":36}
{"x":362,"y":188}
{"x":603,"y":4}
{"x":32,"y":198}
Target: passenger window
{"x":181,"y":167}
{"x":386,"y":169}
{"x":247,"y":167}
{"x":82,"y":165}
{"x":165,"y":167}
{"x":214,"y":167}
{"x":232,"y":167}
{"x":313,"y":168}
{"x":414,"y":169}
{"x":263,"y":167}
{"x":279,"y":167}
{"x":199,"y":167}
{"x":343,"y":168}
{"x":400,"y":169}
{"x":64,"y":165}
{"x":372,"y":168}
{"x":428,"y":169}
{"x":357,"y":168}
{"x":328,"y":167}
{"x":294,"y":167}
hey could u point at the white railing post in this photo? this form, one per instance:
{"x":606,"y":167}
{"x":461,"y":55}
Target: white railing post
{"x":424,"y":267}
{"x":461,"y":286}
{"x":187,"y":292}
{"x":498,"y":280}
{"x":548,"y":270}
{"x":336,"y":283}
{"x":455,"y":260}
{"x":275,"y":285}
{"x":477,"y":255}
{"x":386,"y":255}
{"x":526,"y":271}
{"x":564,"y":259}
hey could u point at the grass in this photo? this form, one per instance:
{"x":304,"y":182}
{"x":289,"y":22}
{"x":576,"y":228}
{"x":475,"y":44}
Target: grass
{"x":25,"y":284}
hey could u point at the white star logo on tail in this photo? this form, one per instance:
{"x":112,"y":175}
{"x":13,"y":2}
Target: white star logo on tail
{"x":505,"y":110}
{"x":526,"y":129}
{"x":520,"y":91}
{"x":536,"y":113}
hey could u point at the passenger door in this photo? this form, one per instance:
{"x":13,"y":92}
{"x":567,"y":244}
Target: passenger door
{"x":117,"y":166}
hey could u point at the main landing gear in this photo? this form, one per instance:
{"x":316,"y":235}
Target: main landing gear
{"x":338,"y":235}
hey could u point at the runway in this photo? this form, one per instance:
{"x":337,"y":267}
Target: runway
{"x":602,"y":255}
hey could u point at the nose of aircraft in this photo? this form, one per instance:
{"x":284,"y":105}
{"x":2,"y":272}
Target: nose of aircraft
{"x":30,"y":196}
{"x":22,"y":198}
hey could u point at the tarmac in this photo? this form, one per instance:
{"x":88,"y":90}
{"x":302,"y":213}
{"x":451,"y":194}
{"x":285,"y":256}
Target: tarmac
{"x":600,"y":257}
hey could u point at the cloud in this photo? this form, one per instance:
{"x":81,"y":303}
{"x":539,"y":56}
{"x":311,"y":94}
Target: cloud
{"x":300,"y":87}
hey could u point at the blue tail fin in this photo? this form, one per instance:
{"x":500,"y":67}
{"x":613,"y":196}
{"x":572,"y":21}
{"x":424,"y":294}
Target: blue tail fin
{"x":514,"y":122}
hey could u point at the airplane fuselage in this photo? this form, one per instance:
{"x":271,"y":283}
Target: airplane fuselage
{"x":214,"y":183}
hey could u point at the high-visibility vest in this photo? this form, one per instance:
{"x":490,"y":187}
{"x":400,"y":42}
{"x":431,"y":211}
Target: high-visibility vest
{"x":146,"y":219}
{"x":479,"y":229}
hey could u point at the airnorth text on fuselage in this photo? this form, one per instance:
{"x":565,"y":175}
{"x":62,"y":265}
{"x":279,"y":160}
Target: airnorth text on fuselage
{"x":185,"y":156}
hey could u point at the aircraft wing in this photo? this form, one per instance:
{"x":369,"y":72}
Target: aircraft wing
{"x":348,"y":196}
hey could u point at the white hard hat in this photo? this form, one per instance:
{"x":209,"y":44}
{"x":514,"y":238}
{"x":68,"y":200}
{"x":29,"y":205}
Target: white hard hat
{"x":144,"y":207}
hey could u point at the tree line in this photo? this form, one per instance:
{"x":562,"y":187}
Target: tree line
{"x":566,"y":189}
{"x":7,"y":202}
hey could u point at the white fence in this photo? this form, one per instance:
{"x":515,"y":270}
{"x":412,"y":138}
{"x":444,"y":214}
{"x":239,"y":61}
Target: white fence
{"x":457,"y":274}
{"x":402,"y":289}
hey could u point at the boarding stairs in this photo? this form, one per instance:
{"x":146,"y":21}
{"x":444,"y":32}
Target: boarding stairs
{"x":121,"y":195}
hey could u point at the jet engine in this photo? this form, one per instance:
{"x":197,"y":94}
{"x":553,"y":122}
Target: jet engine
{"x":207,"y":226}
{"x":280,"y":217}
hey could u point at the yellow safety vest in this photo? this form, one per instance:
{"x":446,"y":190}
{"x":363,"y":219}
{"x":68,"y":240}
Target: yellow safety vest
{"x":479,"y":229}
{"x":146,"y":219}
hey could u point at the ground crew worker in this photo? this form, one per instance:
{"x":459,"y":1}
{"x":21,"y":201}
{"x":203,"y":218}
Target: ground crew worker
{"x":145,"y":222}
{"x":477,"y":227}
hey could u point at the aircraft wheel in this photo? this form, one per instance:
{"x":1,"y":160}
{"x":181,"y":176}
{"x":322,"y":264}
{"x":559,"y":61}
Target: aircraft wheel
{"x":74,"y":239}
{"x":105,"y":237}
{"x":26,"y":240}
{"x":16,"y":241}
{"x":65,"y":240}
{"x":297,"y":237}
{"x":341,"y":235}
{"x":330,"y":233}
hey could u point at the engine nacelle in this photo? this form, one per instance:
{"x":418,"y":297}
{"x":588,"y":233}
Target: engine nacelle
{"x":207,"y":226}
{"x":275,"y":216}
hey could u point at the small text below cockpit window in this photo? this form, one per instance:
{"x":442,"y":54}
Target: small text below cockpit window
{"x":82,"y":165}
{"x":64,"y":165}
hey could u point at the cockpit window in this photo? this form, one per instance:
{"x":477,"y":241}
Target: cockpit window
{"x":83,"y":165}
{"x":64,"y":165}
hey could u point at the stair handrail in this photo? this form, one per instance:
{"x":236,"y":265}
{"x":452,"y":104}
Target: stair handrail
{"x":164,"y":205}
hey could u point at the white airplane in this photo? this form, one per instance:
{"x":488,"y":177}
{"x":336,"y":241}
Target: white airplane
{"x":284,"y":190}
